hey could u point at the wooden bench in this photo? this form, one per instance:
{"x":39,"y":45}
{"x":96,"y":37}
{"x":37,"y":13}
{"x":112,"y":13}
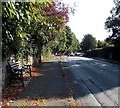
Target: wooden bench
{"x":16,"y":73}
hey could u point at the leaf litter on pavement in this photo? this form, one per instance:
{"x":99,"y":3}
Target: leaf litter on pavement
{"x":11,"y":94}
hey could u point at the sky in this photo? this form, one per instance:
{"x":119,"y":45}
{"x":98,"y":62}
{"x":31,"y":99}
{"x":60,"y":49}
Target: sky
{"x":90,"y":17}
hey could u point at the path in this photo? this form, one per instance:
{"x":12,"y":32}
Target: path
{"x":47,"y":89}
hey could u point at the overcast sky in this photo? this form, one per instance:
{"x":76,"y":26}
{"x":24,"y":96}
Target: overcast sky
{"x":89,"y":17}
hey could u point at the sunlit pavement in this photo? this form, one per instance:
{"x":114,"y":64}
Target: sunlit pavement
{"x":94,"y":82}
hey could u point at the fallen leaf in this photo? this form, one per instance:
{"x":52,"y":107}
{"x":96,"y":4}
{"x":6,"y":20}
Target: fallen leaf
{"x":10,"y":101}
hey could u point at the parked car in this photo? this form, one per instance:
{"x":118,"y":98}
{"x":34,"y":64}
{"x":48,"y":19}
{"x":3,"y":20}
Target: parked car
{"x":72,"y":54}
{"x":77,"y":54}
{"x":82,"y":54}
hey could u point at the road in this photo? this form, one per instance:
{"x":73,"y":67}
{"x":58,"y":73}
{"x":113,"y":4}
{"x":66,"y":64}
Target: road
{"x":94,"y":82}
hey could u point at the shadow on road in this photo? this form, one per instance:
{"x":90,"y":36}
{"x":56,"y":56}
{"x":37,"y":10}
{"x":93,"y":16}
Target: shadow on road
{"x":96,"y":76}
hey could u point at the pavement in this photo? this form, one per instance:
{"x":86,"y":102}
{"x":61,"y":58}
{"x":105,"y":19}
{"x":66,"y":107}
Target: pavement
{"x":47,"y":89}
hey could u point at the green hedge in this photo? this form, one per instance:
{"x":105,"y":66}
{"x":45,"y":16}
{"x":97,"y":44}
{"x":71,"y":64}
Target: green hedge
{"x":106,"y":53}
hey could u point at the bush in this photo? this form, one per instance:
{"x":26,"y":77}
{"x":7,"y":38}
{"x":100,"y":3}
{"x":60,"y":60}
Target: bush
{"x":106,"y":53}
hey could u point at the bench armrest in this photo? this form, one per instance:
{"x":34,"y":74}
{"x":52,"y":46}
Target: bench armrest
{"x":18,"y":70}
{"x":27,"y":69}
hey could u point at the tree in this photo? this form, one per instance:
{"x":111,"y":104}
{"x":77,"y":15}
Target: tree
{"x":27,"y":26}
{"x":14,"y":17}
{"x":101,"y":44}
{"x":66,"y":42}
{"x":113,"y":24}
{"x":88,"y":43}
{"x":76,"y":44}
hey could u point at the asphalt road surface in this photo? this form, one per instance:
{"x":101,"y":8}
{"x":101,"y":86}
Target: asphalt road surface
{"x":94,"y":82}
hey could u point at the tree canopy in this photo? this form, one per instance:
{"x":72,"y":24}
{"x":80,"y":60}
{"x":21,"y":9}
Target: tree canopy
{"x":88,"y":42}
{"x":102,"y":44}
{"x":66,"y":43}
{"x":28,"y":26}
{"x":113,"y":24}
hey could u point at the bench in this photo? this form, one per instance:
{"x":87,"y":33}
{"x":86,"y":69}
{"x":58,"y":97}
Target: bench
{"x":16,"y":73}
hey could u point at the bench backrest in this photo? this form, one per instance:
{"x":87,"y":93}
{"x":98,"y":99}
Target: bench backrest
{"x":13,"y":65}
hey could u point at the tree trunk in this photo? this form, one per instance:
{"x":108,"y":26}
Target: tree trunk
{"x":40,"y":58}
{"x":40,"y":54}
{"x":37,"y":57}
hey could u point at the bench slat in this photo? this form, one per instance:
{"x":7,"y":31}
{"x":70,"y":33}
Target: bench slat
{"x":17,"y":72}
